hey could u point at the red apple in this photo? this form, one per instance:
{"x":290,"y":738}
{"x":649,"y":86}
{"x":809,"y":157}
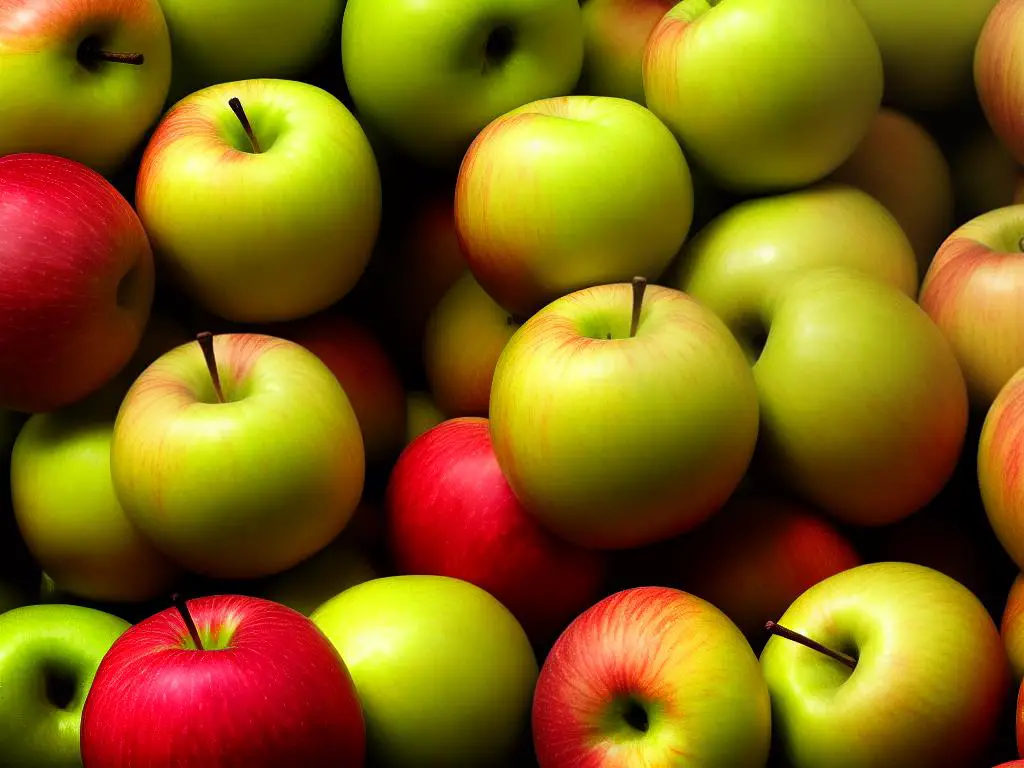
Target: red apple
{"x":1001,"y":469}
{"x":76,"y":282}
{"x":999,"y":73}
{"x":1012,"y":627}
{"x":450,"y":512}
{"x":250,"y":683}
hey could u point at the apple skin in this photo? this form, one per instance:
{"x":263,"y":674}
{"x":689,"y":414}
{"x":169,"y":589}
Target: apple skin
{"x":48,"y":659}
{"x":271,"y":688}
{"x":999,"y":76}
{"x":299,"y":238}
{"x":444,"y":672}
{"x":999,"y":477}
{"x":615,"y":35}
{"x":1012,"y":628}
{"x":614,"y":442}
{"x":760,"y":245}
{"x":422,"y":414}
{"x":902,"y":166}
{"x":566,"y":193}
{"x":94,"y":114}
{"x":665,"y":652}
{"x":451,"y":513}
{"x":974,"y":291}
{"x":430,"y":76}
{"x":464,"y":338}
{"x":918,"y":636}
{"x":766,"y":121}
{"x":245,"y":488}
{"x":78,"y":282}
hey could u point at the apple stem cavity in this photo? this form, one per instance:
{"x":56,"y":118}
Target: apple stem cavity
{"x":639,"y":286}
{"x":182,"y":605}
{"x":205,"y":340}
{"x":236,"y":107}
{"x":796,"y":637}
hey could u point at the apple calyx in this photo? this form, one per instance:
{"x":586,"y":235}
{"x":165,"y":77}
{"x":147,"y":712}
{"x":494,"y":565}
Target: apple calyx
{"x":796,"y":637}
{"x":90,"y":54}
{"x":205,"y":339}
{"x":639,"y":286}
{"x":236,"y":107}
{"x":182,"y":605}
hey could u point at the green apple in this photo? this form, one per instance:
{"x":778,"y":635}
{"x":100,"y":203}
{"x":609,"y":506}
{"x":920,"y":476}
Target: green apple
{"x":788,"y":110}
{"x":218,"y":41}
{"x":464,"y":338}
{"x":902,"y":166}
{"x":261,"y":209}
{"x":422,"y":414}
{"x":921,"y":679}
{"x":48,"y":658}
{"x":239,"y":456}
{"x":927,"y":56}
{"x":985,"y":175}
{"x":566,"y":193}
{"x":616,"y":428}
{"x":444,"y":672}
{"x":760,"y":245}
{"x":430,"y":75}
{"x":84,"y":80}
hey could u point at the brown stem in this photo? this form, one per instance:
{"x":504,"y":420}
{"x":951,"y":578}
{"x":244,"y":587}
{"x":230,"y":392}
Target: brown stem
{"x":93,"y":55}
{"x":182,"y":605}
{"x":205,"y":340}
{"x":236,"y":107}
{"x":639,"y":286}
{"x":796,"y":637}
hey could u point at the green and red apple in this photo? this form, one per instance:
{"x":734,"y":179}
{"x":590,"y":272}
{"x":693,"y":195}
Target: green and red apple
{"x":1011,"y":628}
{"x":999,"y":73}
{"x":999,"y":465}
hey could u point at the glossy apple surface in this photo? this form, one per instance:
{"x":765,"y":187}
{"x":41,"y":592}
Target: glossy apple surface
{"x":999,"y":73}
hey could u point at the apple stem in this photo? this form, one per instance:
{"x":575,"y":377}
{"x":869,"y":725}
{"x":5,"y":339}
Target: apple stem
{"x":236,"y":107}
{"x":639,"y":286}
{"x":796,"y":637}
{"x":93,"y":55}
{"x":205,"y":340}
{"x":182,"y":605}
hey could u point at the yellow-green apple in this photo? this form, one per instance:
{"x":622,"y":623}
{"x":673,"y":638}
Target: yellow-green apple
{"x":239,"y":456}
{"x":863,"y":406}
{"x":615,"y":35}
{"x":465,"y":335}
{"x":76,"y":282}
{"x":225,"y":40}
{"x":927,"y":58}
{"x":974,"y":291}
{"x":617,"y":428}
{"x":999,"y":467}
{"x":422,"y":414}
{"x":784,"y":114}
{"x":430,"y":75}
{"x":901,"y":165}
{"x":270,"y":688}
{"x":83,"y":80}
{"x":1011,"y":628}
{"x":885,"y":664}
{"x":566,"y":193}
{"x":444,"y":672}
{"x":999,"y":74}
{"x":760,"y":245}
{"x":48,"y":658}
{"x":451,"y":512}
{"x":289,"y":195}
{"x":985,"y":175}
{"x":652,"y":676}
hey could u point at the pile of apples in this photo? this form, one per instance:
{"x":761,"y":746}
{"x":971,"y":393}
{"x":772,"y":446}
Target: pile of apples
{"x":481,"y":383}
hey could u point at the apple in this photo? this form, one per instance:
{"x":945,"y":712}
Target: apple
{"x":652,"y":676}
{"x":262,"y":199}
{"x":430,"y":76}
{"x":464,"y":338}
{"x":230,"y":681}
{"x":902,"y":166}
{"x":615,"y":35}
{"x":451,"y":513}
{"x":999,"y":75}
{"x":226,"y":40}
{"x":77,"y":281}
{"x":1012,"y":628}
{"x":973,"y":291}
{"x":985,"y":175}
{"x":787,"y":112}
{"x":617,"y":431}
{"x":48,"y":658}
{"x":761,"y":245}
{"x":238,"y":456}
{"x":444,"y":672}
{"x":422,"y":414}
{"x":906,"y":668}
{"x":566,"y":193}
{"x":84,"y":80}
